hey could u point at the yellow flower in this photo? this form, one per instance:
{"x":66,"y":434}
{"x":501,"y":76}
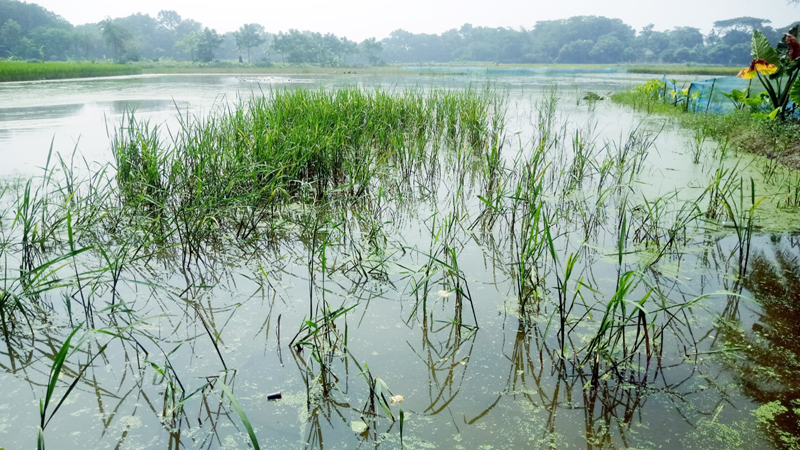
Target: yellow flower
{"x":757,"y":66}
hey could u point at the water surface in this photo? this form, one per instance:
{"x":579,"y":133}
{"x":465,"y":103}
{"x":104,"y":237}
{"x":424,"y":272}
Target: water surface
{"x":505,"y":384}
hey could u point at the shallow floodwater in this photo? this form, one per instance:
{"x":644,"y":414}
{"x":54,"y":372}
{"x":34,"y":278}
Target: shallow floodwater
{"x":503,"y":385}
{"x":34,"y":114}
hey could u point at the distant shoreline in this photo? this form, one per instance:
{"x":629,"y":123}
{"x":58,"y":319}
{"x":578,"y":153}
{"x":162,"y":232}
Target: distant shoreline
{"x":30,"y":71}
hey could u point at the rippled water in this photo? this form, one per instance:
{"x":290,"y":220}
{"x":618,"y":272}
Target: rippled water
{"x":502,"y":385}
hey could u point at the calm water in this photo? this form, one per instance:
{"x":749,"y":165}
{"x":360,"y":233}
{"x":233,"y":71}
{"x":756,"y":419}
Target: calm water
{"x":501,"y":386}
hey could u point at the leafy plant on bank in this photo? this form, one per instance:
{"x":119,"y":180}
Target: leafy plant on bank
{"x":741,"y":100}
{"x":776,"y":69}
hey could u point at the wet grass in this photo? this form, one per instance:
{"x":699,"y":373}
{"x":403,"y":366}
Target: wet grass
{"x":357,"y":196}
{"x":31,"y":71}
{"x":774,"y":140}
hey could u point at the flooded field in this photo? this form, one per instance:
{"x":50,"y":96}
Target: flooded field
{"x":358,"y":261}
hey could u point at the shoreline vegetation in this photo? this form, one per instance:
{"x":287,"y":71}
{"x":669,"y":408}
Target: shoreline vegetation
{"x":772,"y":139}
{"x":52,"y":70}
{"x":33,"y":32}
{"x":30,"y":71}
{"x":764,"y":123}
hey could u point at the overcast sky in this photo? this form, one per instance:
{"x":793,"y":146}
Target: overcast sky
{"x":359,"y":19}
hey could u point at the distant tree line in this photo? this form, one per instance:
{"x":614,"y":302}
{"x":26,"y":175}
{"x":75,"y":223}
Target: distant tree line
{"x":28,"y":31}
{"x":582,"y":40}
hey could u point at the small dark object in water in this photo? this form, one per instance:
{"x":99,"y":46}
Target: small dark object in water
{"x":593,"y":97}
{"x":275,"y":396}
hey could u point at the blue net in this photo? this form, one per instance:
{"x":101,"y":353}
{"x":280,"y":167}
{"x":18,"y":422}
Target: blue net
{"x":719,"y":95}
{"x":709,"y":95}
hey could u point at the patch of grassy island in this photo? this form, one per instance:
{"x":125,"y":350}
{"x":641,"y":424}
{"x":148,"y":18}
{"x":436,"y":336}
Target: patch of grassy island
{"x":662,"y":69}
{"x":35,"y":70}
{"x":245,"y":163}
{"x":682,"y":69}
{"x":30,"y":71}
{"x":168,"y":66}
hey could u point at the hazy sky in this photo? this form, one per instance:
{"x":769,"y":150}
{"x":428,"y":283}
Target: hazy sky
{"x":359,"y":19}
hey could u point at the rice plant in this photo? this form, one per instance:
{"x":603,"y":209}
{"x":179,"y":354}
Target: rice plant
{"x":26,"y":71}
{"x":696,"y":145}
{"x":64,"y":352}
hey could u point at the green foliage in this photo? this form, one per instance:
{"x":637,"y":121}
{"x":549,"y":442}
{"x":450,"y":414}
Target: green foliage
{"x":742,"y":99}
{"x":240,"y":412}
{"x":312,"y":48}
{"x":778,"y":85}
{"x":54,"y":42}
{"x":608,"y":48}
{"x":289,"y":145}
{"x":188,"y":44}
{"x":371,"y":48}
{"x":115,"y":35}
{"x":575,"y":40}
{"x":249,"y":35}
{"x":761,"y":49}
{"x":27,"y":29}
{"x":743,"y":24}
{"x":794,"y":93}
{"x":206,"y":44}
{"x":31,"y":15}
{"x":56,"y":370}
{"x":741,"y":129}
{"x":24,"y":71}
{"x":675,"y":69}
{"x":10,"y":35}
{"x":772,"y":115}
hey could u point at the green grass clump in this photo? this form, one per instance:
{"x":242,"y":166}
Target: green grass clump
{"x":685,"y":70}
{"x":237,"y":165}
{"x":28,"y":71}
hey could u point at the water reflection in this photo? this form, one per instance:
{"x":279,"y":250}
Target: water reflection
{"x":197,"y":313}
{"x":767,"y":359}
{"x":14,"y":117}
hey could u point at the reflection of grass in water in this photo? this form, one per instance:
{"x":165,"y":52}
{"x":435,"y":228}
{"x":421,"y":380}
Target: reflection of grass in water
{"x":781,"y":423}
{"x":333,"y":170}
{"x":769,"y":354}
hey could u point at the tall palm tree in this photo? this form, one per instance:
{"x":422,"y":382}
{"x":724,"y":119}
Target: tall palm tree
{"x":115,"y":35}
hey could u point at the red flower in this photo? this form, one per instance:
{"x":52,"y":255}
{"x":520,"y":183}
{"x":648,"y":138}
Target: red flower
{"x":757,"y":66}
{"x":794,"y":46}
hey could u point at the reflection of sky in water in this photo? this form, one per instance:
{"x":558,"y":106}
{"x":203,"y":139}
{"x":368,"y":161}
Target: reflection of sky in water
{"x":64,"y":112}
{"x":34,"y":114}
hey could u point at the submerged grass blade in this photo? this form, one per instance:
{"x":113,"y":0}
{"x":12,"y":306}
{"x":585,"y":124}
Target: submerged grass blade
{"x":240,"y":412}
